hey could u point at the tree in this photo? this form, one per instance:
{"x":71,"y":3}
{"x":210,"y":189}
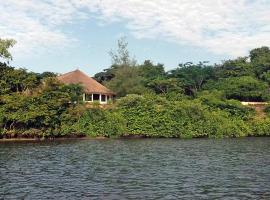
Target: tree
{"x":150,"y":71}
{"x":41,"y":110}
{"x":5,"y":44}
{"x":106,"y":75}
{"x":193,"y":76}
{"x":234,"y":68}
{"x":163,"y":86}
{"x":260,"y":60}
{"x":121,"y":57}
{"x":244,"y":88}
{"x":46,"y":75}
{"x":16,"y":80}
{"x":127,"y":80}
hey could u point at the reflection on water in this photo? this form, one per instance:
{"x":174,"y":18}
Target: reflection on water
{"x":136,"y":169}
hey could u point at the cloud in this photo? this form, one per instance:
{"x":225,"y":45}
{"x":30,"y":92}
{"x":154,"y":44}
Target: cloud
{"x":221,"y":26}
{"x":36,"y":25}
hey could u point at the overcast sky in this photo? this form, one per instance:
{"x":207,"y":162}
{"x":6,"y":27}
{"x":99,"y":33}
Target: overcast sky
{"x":62,"y":35}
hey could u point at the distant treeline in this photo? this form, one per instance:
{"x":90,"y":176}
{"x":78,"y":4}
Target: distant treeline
{"x":192,"y":100}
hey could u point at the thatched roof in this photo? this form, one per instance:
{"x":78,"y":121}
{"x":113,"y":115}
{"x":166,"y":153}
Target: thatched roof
{"x":89,"y":84}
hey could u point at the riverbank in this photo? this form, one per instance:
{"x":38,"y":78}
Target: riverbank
{"x":50,"y":139}
{"x":3,"y":140}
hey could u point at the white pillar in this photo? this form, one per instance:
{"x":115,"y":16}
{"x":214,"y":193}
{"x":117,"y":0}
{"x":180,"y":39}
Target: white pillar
{"x":100,"y":98}
{"x":92,"y":97}
{"x":83,"y":96}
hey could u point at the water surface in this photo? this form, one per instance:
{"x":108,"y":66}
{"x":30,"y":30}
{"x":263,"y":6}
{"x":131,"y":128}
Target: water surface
{"x":136,"y":169}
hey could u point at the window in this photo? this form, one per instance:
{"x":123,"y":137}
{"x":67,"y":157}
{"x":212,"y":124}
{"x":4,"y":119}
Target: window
{"x":96,"y":97}
{"x":88,"y":97}
{"x":103,"y":98}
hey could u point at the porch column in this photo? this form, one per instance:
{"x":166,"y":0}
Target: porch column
{"x":83,"y":96}
{"x":100,"y":98}
{"x":92,"y":97}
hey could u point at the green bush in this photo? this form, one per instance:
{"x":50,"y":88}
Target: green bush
{"x":216,"y":100}
{"x":260,"y":127}
{"x":96,"y":122}
{"x":154,"y":116}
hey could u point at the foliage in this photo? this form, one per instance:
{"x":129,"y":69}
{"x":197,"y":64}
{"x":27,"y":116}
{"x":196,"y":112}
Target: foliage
{"x":127,"y":81}
{"x":216,"y":100}
{"x":157,"y":117}
{"x":163,"y":86}
{"x":261,"y":127}
{"x":5,"y":45}
{"x":260,"y":60}
{"x":234,"y":68}
{"x":244,"y":88}
{"x":150,"y":71}
{"x":192,"y":76}
{"x":122,"y":56}
{"x":96,"y":122}
{"x":41,"y":110}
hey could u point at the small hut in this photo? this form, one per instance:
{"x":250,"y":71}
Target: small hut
{"x":93,"y":90}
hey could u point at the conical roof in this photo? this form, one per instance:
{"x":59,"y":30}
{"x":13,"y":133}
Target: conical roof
{"x":89,"y":84}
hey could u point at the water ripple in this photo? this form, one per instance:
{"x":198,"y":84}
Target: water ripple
{"x":136,"y":169}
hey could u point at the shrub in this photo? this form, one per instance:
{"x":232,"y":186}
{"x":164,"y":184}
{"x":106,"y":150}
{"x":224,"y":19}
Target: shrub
{"x":260,"y":127}
{"x":156,"y":117}
{"x":96,"y":122}
{"x":216,"y":100}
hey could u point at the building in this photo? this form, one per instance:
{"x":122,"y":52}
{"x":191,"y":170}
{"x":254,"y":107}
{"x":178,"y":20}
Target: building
{"x":93,"y":90}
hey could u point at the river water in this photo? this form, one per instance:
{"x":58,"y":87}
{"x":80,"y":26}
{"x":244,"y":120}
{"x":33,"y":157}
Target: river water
{"x":136,"y":169}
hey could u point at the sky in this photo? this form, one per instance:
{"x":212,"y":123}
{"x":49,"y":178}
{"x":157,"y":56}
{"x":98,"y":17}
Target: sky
{"x":64,"y":35}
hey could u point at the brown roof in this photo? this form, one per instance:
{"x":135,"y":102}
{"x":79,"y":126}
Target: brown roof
{"x":89,"y":84}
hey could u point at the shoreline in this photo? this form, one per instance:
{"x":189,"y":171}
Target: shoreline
{"x":3,"y":140}
{"x":49,"y":139}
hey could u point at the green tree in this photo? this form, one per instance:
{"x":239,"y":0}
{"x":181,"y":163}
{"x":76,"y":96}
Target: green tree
{"x":5,"y":45}
{"x":150,"y":71}
{"x":122,"y":56}
{"x":127,"y":80}
{"x":260,"y":60}
{"x":16,"y":80}
{"x":193,"y":76}
{"x":163,"y":86}
{"x":244,"y":88}
{"x":234,"y":68}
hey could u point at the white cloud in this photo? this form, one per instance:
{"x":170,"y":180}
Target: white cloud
{"x":220,"y":26}
{"x":35,"y":24}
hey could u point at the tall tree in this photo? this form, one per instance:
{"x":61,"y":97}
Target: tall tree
{"x":127,"y":80}
{"x":121,"y":57}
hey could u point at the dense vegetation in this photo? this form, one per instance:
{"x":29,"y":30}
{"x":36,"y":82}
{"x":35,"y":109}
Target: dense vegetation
{"x":192,"y":100}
